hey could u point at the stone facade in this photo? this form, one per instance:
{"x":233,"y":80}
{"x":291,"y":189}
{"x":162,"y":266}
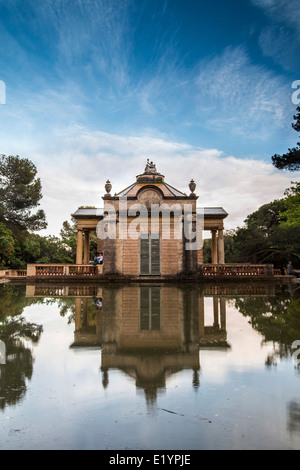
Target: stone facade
{"x":144,"y":229}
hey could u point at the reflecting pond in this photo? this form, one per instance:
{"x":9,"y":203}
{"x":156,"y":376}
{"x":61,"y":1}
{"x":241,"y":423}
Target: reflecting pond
{"x":156,"y":367}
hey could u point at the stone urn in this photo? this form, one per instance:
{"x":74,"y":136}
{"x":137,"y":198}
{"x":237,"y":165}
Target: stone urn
{"x":108,"y":187}
{"x":192,"y":187}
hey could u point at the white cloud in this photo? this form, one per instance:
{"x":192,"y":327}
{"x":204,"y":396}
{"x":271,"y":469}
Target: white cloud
{"x":282,"y":11}
{"x":242,"y":97}
{"x":283,"y":33}
{"x":80,"y":163}
{"x":275,"y":41}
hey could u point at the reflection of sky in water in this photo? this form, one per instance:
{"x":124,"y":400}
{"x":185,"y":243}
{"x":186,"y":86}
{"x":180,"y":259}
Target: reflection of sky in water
{"x":246,"y":352}
{"x":239,"y":402}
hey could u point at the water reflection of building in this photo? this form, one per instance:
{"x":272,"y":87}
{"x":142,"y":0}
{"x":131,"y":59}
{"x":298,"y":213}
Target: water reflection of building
{"x":150,"y":332}
{"x":147,"y":331}
{"x":294,"y":416}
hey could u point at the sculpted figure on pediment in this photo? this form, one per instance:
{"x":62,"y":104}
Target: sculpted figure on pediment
{"x":150,"y":167}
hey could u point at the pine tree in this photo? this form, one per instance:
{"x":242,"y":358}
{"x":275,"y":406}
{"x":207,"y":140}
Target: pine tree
{"x":290,"y":160}
{"x":20,"y":193}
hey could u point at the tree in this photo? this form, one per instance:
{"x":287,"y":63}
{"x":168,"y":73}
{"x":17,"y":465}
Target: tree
{"x":7,"y":245}
{"x":291,"y":159}
{"x":68,"y":235}
{"x":50,"y":249}
{"x":252,"y":243}
{"x":20,"y":193}
{"x":271,"y":234}
{"x":291,"y":214}
{"x":276,"y":318}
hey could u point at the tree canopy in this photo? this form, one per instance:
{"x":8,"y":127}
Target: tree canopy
{"x":291,"y":214}
{"x":271,"y":234}
{"x":7,"y":244}
{"x":20,"y":193}
{"x":290,"y":160}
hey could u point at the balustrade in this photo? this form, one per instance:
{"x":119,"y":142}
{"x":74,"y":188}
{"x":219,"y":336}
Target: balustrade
{"x":236,"y":270}
{"x":65,"y":291}
{"x":83,"y":270}
{"x":21,"y":272}
{"x":209,"y":270}
{"x":49,"y":270}
{"x":62,"y":270}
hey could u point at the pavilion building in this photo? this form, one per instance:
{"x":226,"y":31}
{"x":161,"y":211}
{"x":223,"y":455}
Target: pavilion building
{"x":150,"y":229}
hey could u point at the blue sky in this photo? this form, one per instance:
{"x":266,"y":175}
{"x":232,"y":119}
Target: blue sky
{"x":204,"y":89}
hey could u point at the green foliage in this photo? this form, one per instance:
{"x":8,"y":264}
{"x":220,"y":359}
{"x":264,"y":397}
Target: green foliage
{"x":207,"y":250}
{"x":271,"y":234}
{"x":277,"y":318}
{"x":290,"y":160}
{"x":7,"y":245}
{"x":267,"y":217}
{"x":251,"y":243}
{"x":34,"y":248}
{"x":13,"y":300}
{"x":291,"y":214}
{"x":18,"y":336}
{"x":20,"y":193}
{"x":296,"y":124}
{"x":68,"y":235}
{"x":37,"y":249}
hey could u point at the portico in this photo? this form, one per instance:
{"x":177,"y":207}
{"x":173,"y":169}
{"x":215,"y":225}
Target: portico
{"x":135,"y":243}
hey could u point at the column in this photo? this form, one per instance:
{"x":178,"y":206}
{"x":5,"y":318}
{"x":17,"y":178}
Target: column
{"x":84,"y":312}
{"x":201,"y":314}
{"x":223,"y":313}
{"x":216,"y":312}
{"x":79,"y":246}
{"x":214,"y":251}
{"x":86,"y":252}
{"x":221,"y":254}
{"x":77,"y":313}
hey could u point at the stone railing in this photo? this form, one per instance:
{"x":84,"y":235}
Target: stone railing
{"x":89,"y":270}
{"x":237,"y":270}
{"x":61,"y":270}
{"x":50,"y":290}
{"x":13,"y":273}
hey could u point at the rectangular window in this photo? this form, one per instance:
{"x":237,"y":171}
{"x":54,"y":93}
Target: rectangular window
{"x":150,"y":308}
{"x":149,"y":254}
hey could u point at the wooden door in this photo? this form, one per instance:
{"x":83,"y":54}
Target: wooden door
{"x":149,"y":254}
{"x":150,"y":308}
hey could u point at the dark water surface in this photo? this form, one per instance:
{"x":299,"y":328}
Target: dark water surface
{"x":140,"y":367}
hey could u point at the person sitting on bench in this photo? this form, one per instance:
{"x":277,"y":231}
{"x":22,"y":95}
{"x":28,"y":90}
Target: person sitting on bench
{"x":290,"y":270}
